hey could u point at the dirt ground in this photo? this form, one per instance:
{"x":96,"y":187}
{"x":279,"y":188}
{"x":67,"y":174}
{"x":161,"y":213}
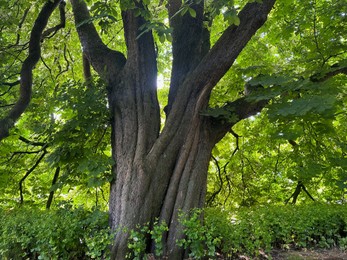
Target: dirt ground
{"x":332,"y":254}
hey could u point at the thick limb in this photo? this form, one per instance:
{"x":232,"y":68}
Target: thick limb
{"x":26,"y":74}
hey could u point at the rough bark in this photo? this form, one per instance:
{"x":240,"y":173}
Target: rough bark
{"x":189,"y":45}
{"x":159,"y":174}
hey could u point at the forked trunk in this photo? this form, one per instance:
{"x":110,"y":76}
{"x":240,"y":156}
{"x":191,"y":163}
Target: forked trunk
{"x":174,"y":182}
{"x":158,"y":174}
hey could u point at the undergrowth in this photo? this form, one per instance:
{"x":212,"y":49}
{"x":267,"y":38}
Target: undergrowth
{"x":67,"y":233}
{"x":262,"y":229}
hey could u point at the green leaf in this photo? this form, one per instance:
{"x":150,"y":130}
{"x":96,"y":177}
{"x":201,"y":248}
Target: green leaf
{"x":192,"y":12}
{"x":169,"y":37}
{"x":162,"y":38}
{"x":236,"y":20}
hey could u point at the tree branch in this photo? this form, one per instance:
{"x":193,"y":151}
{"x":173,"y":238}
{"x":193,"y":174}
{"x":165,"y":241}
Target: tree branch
{"x":43,"y":147}
{"x":219,"y":189}
{"x":19,"y":28}
{"x":27,"y":67}
{"x":66,"y":69}
{"x":7,"y":105}
{"x":191,"y":42}
{"x":242,"y":108}
{"x":23,"y":139}
{"x":197,"y":87}
{"x":11,"y":84}
{"x":306,"y":191}
{"x":25,"y":152}
{"x":28,"y":173}
{"x":141,"y":73}
{"x":300,"y":186}
{"x":228,"y":47}
{"x":328,"y":75}
{"x":49,"y":33}
{"x":139,"y":45}
{"x":237,"y":141}
{"x":100,"y":56}
{"x":51,"y":193}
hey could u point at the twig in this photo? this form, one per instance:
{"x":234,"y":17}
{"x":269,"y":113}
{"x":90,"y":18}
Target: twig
{"x":11,"y":84}
{"x":67,"y":63}
{"x":237,"y":141}
{"x":23,"y":139}
{"x":28,"y":173}
{"x":215,"y":193}
{"x":7,"y":105}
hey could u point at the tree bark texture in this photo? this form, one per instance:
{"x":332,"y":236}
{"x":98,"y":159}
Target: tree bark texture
{"x":157,"y":174}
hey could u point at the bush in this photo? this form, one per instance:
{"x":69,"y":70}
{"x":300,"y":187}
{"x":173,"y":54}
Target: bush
{"x":137,"y":239}
{"x":265,"y":228}
{"x":201,"y":240}
{"x":65,"y":233}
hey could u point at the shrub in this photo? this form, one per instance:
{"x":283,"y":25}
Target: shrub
{"x":264,"y":228}
{"x":137,"y":239}
{"x":65,"y":233}
{"x":201,"y":240}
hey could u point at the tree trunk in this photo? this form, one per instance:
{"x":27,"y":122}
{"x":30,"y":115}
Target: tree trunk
{"x":157,"y":174}
{"x":174,"y":182}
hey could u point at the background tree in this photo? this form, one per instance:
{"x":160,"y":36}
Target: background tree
{"x":299,"y":136}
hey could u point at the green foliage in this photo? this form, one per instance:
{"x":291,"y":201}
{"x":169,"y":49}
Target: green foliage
{"x":76,"y":233}
{"x":221,"y":113}
{"x":64,"y":233}
{"x":157,"y":233}
{"x":262,"y":167}
{"x":201,"y":240}
{"x":137,"y":242}
{"x":105,"y":13}
{"x":231,"y":16}
{"x":248,"y":231}
{"x":139,"y":236}
{"x":76,"y":138}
